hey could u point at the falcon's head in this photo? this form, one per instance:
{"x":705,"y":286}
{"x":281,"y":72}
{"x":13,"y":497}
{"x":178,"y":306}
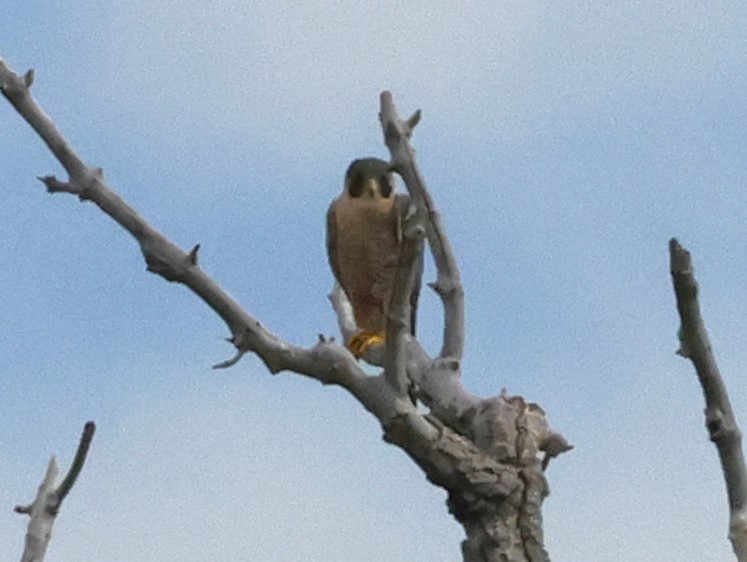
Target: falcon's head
{"x":369,"y":179}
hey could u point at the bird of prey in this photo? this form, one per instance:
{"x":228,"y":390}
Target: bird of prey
{"x":364,"y":240}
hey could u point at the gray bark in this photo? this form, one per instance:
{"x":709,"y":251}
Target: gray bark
{"x":719,"y":417}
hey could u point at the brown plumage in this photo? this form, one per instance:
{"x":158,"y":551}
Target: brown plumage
{"x":364,"y":235}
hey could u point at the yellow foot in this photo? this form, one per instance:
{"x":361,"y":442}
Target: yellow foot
{"x":361,"y":341}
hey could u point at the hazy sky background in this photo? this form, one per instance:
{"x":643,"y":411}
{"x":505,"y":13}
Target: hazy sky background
{"x":564,"y":144}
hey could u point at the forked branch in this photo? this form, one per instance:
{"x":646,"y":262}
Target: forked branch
{"x":44,"y":509}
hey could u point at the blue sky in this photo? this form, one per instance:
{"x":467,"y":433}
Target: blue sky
{"x":564,"y":143}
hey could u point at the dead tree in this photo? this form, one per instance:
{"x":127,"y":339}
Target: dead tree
{"x":488,"y":454}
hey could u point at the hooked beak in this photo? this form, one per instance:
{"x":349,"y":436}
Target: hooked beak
{"x":371,"y":188}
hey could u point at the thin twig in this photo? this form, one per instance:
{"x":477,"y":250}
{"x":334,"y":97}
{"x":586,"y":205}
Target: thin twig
{"x":78,"y":462}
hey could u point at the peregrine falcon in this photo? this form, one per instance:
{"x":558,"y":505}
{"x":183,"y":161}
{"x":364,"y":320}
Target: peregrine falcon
{"x":364,"y":237}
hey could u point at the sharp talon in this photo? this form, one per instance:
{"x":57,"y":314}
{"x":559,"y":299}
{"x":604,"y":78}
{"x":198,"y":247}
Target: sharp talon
{"x":360,"y":342}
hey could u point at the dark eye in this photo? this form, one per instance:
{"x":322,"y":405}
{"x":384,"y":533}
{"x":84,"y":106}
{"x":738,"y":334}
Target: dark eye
{"x":385,"y":187}
{"x":355,"y":187}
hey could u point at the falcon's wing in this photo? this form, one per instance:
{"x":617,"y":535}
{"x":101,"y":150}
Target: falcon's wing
{"x":402,"y":203}
{"x":332,"y":241}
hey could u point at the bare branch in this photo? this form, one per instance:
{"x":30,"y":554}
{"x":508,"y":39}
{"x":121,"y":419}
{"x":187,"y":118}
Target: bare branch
{"x":46,"y":506}
{"x":15,"y":89}
{"x":80,"y":458}
{"x":42,"y":514}
{"x":448,"y":284}
{"x":162,"y":256}
{"x":230,"y":362}
{"x":720,"y":420}
{"x":398,"y":320}
{"x":345,"y":317}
